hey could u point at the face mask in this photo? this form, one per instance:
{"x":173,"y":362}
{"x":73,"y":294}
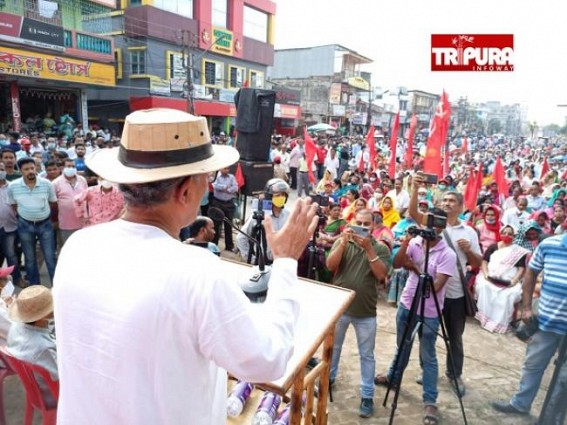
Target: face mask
{"x":51,"y":146}
{"x":421,"y":196}
{"x":105,"y":184}
{"x":372,"y":179}
{"x":4,"y":142}
{"x":8,"y":290}
{"x":2,"y":175}
{"x":507,"y":239}
{"x":491,"y":220}
{"x":278,"y":201}
{"x":69,"y":172}
{"x":442,"y":187}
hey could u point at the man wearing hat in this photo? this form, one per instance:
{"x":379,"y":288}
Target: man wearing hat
{"x":161,"y":322}
{"x":30,"y":339}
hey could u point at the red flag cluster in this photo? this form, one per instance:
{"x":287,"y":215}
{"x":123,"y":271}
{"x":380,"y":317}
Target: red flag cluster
{"x":371,"y":143}
{"x":437,"y":137}
{"x":500,"y":178}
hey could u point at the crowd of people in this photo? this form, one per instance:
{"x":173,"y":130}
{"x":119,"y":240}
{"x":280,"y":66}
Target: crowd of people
{"x":367,"y":236}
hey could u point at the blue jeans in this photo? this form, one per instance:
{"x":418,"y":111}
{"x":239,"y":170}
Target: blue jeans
{"x":8,"y":246}
{"x":29,"y":235}
{"x":427,"y":353}
{"x":539,"y":352}
{"x":365,"y":329}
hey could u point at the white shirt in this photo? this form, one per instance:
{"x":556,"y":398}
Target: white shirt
{"x":514,"y":217}
{"x":402,"y":199}
{"x":143,"y":335}
{"x":460,"y":231}
{"x":332,"y":164}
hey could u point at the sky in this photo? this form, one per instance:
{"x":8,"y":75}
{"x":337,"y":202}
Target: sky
{"x":396,"y":35}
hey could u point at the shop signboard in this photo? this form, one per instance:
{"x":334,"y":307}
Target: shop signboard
{"x":286,"y":96}
{"x":10,"y":25}
{"x":222,"y":41}
{"x":339,"y":110}
{"x":335,"y":94}
{"x":23,"y":63}
{"x":226,"y":95}
{"x":160,"y":87}
{"x":287,"y":111}
{"x":42,"y":32}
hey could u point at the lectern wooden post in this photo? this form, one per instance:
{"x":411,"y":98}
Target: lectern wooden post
{"x":320,"y":307}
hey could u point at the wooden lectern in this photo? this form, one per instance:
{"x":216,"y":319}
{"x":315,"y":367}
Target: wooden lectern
{"x":320,"y":307}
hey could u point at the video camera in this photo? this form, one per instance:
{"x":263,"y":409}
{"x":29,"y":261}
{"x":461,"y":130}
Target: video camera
{"x":322,"y":201}
{"x":259,"y":206}
{"x":431,"y":222}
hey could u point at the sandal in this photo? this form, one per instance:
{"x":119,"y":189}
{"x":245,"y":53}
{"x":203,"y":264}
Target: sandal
{"x":431,"y":416}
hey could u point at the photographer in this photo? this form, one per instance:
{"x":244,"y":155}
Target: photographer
{"x":359,"y":263}
{"x":441,"y":266}
{"x":277,"y":191}
{"x":464,"y":241}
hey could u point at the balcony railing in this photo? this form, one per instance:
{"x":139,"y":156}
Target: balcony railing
{"x":90,"y":43}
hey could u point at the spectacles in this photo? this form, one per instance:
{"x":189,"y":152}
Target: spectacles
{"x":363,"y":223}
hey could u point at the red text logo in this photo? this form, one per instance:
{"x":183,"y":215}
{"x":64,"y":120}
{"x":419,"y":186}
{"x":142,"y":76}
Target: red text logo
{"x":472,"y":52}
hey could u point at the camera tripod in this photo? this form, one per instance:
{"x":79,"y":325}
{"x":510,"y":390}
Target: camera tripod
{"x":314,"y":263}
{"x":258,"y":234}
{"x":414,"y":325}
{"x":553,"y":411}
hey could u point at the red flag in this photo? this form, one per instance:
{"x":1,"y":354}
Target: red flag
{"x":446,"y":156}
{"x":409,"y":150}
{"x":393,"y":145}
{"x":465,"y":147}
{"x":239,"y":176}
{"x":437,"y":136}
{"x":371,"y":148}
{"x":473,"y":188}
{"x":310,"y":152}
{"x":500,"y":178}
{"x":544,"y":168}
{"x":361,"y":164}
{"x":246,"y":84}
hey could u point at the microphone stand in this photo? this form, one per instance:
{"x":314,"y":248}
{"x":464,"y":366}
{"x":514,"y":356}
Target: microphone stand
{"x":256,"y":287}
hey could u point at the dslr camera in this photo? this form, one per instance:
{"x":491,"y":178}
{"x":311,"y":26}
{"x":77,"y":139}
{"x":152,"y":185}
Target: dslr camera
{"x":431,"y":221}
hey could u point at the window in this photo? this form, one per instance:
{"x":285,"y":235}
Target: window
{"x":138,"y":62}
{"x":179,"y":7}
{"x":43,"y":10}
{"x":175,"y":65}
{"x":213,"y":73}
{"x":255,"y":24}
{"x":118,"y":62}
{"x":237,"y":77}
{"x":256,"y":80}
{"x":220,"y":12}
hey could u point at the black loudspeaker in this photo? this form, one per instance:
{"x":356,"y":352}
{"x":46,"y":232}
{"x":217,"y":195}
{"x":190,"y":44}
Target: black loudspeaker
{"x":254,"y":123}
{"x":256,"y":175}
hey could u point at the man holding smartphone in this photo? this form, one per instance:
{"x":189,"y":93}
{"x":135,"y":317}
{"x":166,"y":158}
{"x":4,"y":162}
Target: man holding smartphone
{"x":359,"y":263}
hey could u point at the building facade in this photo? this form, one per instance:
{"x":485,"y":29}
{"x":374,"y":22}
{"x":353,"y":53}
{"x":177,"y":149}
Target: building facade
{"x":51,"y":54}
{"x":191,"y":55}
{"x":331,"y":82}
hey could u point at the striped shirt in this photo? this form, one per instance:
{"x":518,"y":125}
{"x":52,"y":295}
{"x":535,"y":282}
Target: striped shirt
{"x":33,"y":204}
{"x":551,"y":257}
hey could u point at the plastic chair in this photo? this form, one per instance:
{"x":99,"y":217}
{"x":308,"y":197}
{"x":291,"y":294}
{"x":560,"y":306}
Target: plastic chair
{"x":4,"y":373}
{"x":35,"y":397}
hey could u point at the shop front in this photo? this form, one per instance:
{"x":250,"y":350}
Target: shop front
{"x":220,"y":115}
{"x":287,"y":111}
{"x":47,"y":93}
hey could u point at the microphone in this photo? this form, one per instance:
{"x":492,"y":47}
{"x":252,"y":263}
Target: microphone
{"x":255,"y":288}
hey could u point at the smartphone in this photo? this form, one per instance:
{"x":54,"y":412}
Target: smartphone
{"x":361,"y":231}
{"x":430,"y":178}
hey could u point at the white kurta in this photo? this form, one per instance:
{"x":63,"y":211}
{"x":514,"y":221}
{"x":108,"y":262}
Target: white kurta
{"x":147,"y":325}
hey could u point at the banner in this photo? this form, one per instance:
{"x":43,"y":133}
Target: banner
{"x":37,"y":65}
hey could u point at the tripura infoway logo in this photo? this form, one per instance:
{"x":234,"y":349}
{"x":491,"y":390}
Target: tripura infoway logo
{"x":472,"y":52}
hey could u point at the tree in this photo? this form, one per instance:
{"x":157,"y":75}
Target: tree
{"x":494,"y":126}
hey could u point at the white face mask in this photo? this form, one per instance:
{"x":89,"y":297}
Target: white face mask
{"x":2,"y":175}
{"x":70,"y":172}
{"x":105,"y":184}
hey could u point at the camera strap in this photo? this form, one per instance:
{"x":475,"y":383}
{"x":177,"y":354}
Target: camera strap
{"x":459,"y":267}
{"x":470,"y":304}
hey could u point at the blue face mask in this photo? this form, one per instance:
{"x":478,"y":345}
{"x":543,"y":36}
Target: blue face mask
{"x":4,"y":142}
{"x":442,"y":187}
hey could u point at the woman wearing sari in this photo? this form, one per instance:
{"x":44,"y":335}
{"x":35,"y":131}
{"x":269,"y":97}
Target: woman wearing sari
{"x":498,"y":286}
{"x":352,"y":196}
{"x":381,"y":232}
{"x":528,"y":236}
{"x":359,"y":204}
{"x":489,"y":227}
{"x":543,"y":220}
{"x":390,"y":215}
{"x":327,"y":178}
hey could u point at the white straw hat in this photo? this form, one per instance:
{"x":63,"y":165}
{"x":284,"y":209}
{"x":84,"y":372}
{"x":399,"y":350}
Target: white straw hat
{"x":159,"y":144}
